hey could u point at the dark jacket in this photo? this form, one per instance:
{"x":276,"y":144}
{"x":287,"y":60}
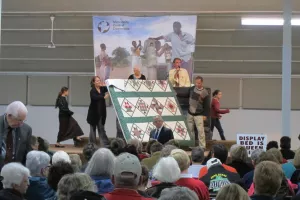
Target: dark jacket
{"x":165,"y":135}
{"x":143,"y":77}
{"x":241,"y":167}
{"x":156,"y":190}
{"x":248,"y":179}
{"x":97,"y":108}
{"x":10,"y":194}
{"x":63,"y":106}
{"x":287,"y":154}
{"x":103,"y":184}
{"x":39,"y":190}
{"x":261,"y":197}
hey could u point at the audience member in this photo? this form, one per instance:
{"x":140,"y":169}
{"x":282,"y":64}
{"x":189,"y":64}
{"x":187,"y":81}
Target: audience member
{"x":38,"y":163}
{"x":267,"y":180}
{"x":217,"y":176}
{"x":72,"y":183}
{"x":149,"y":144}
{"x":57,"y":171}
{"x":285,"y":145}
{"x":131,"y":149}
{"x":220,"y":152}
{"x":167,"y":172}
{"x":144,"y":182}
{"x":296,"y":175}
{"x":239,"y":157}
{"x":126,"y":178}
{"x":76,"y":162}
{"x":272,"y":144}
{"x":88,"y":151}
{"x":178,"y":193}
{"x":15,"y":181}
{"x":197,"y":159}
{"x":100,"y":168}
{"x":44,"y":146}
{"x":166,"y":151}
{"x":173,"y":142}
{"x":60,"y":156}
{"x":139,"y":147}
{"x":155,"y":155}
{"x":34,"y":142}
{"x":232,"y":192}
{"x":86,"y":195}
{"x":186,"y":179}
{"x":117,"y":146}
{"x":248,"y":178}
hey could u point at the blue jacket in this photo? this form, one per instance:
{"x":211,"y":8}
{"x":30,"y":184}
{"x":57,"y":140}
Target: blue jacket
{"x":103,"y":184}
{"x":39,"y":190}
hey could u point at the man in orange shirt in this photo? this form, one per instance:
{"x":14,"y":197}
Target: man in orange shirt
{"x":220,"y":152}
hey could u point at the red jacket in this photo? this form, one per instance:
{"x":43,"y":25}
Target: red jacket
{"x":196,"y":185}
{"x":215,"y":111}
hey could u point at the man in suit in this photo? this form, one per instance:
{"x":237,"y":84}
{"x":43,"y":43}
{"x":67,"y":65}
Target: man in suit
{"x":161,"y":133}
{"x":15,"y":135}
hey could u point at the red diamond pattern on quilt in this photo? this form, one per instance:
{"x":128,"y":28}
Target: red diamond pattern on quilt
{"x":163,"y":84}
{"x":128,"y":107}
{"x":149,"y":84}
{"x":136,"y":84}
{"x":156,"y":106}
{"x":180,"y":130}
{"x":137,"y":132}
{"x":171,"y":106}
{"x":142,"y":106}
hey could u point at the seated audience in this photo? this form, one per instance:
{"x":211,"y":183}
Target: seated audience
{"x":44,"y":146}
{"x":285,"y":145}
{"x":126,"y":178}
{"x":86,"y":195}
{"x":149,"y":144}
{"x":57,"y":171}
{"x":72,"y":183}
{"x":232,"y":191}
{"x":38,"y":163}
{"x":296,"y":175}
{"x":167,"y":172}
{"x":144,"y":182}
{"x":239,"y":158}
{"x":217,"y":176}
{"x":88,"y":151}
{"x":197,"y":159}
{"x":117,"y":146}
{"x":186,"y":179}
{"x":272,"y":144}
{"x":60,"y":156}
{"x":139,"y":147}
{"x":267,"y":180}
{"x":129,"y":148}
{"x":166,"y":151}
{"x":248,"y":178}
{"x":173,"y":142}
{"x":220,"y":152}
{"x":100,"y":168}
{"x":76,"y":162}
{"x":155,"y":155}
{"x":15,"y":181}
{"x":178,"y":193}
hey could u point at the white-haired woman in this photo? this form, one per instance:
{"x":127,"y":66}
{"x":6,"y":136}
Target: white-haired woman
{"x":100,"y":168}
{"x":167,"y":172}
{"x":60,"y":156}
{"x":72,"y":183}
{"x":38,"y":163}
{"x":15,"y":181}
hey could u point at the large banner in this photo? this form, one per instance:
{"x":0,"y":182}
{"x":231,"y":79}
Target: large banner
{"x":123,"y":43}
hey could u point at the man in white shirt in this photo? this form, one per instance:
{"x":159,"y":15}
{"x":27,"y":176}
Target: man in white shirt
{"x":161,"y":133}
{"x":197,"y":159}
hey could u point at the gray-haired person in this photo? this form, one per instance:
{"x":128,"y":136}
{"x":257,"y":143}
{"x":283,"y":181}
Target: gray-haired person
{"x":197,"y":159}
{"x":178,"y":193}
{"x":161,"y":133}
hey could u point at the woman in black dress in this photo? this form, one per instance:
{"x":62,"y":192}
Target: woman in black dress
{"x":97,"y":111}
{"x":68,"y":126}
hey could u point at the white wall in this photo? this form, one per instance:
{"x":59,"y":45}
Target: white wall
{"x":44,"y":122}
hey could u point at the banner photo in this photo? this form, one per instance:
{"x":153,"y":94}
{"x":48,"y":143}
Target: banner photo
{"x":148,"y":44}
{"x":252,"y":141}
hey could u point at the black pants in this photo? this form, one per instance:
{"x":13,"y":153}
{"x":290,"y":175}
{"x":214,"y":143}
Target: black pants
{"x":104,"y":142}
{"x":215,"y":122}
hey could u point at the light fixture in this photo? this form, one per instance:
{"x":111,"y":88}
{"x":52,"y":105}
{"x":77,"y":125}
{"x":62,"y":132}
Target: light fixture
{"x":267,"y":21}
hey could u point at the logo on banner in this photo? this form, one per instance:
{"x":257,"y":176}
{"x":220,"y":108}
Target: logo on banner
{"x":103,"y":27}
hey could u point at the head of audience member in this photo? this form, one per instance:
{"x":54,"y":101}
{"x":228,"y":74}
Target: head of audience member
{"x":16,"y":177}
{"x":166,"y":151}
{"x":267,"y":156}
{"x":156,"y":147}
{"x":144,"y":178}
{"x":182,"y":159}
{"x":96,"y":82}
{"x":76,"y":162}
{"x":277,"y":154}
{"x":72,"y":183}
{"x":117,"y":146}
{"x":232,"y":148}
{"x":34,"y":143}
{"x":197,"y":155}
{"x":57,"y":171}
{"x":16,"y":113}
{"x":296,"y":160}
{"x":89,"y":150}
{"x":158,"y":121}
{"x":101,"y":163}
{"x":149,"y":144}
{"x":136,"y":71}
{"x":267,"y":178}
{"x":199,"y":82}
{"x":285,"y":143}
{"x":177,"y":63}
{"x":127,"y":172}
{"x":219,"y":151}
{"x":178,"y":193}
{"x":255,"y":156}
{"x":138,"y":145}
{"x":60,"y":156}
{"x":177,"y":27}
{"x":173,"y":142}
{"x":166,"y":170}
{"x":131,"y":149}
{"x":239,"y":154}
{"x":38,"y":163}
{"x":272,"y":144}
{"x":232,"y":191}
{"x":43,"y":144}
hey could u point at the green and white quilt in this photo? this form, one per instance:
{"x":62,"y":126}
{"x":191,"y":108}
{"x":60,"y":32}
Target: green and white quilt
{"x":136,"y":102}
